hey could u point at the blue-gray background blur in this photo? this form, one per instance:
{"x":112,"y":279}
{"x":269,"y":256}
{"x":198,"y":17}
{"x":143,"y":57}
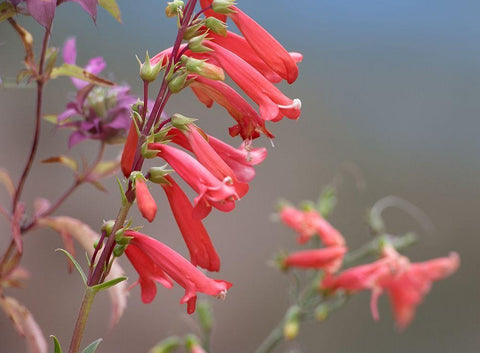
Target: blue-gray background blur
{"x":392,"y":86}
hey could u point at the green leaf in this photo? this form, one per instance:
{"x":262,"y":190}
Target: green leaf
{"x":76,"y":264}
{"x":66,"y":161}
{"x":78,"y":72}
{"x":92,"y":347}
{"x":112,"y":7}
{"x":108,"y":284}
{"x":56,"y":344}
{"x":105,"y":169}
{"x":7,"y":10}
{"x":122,"y":192}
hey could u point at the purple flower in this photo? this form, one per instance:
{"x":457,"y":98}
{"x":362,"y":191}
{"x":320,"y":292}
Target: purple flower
{"x":104,"y":111}
{"x":43,"y":11}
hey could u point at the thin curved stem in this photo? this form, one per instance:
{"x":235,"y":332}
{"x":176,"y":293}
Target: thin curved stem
{"x":38,"y":115}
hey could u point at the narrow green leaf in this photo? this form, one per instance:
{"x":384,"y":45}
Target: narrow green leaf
{"x":7,"y":10}
{"x":66,"y":161}
{"x":56,"y":344}
{"x":112,"y":7}
{"x":92,"y":347}
{"x":122,"y":192}
{"x":78,"y":72}
{"x":76,"y":264}
{"x":108,"y":284}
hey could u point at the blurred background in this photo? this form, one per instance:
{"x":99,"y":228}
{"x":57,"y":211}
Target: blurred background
{"x":392,"y":87}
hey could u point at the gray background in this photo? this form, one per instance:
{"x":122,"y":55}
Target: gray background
{"x":392,"y":86}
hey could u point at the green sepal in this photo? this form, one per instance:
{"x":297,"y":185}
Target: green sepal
{"x":79,"y":72}
{"x":112,"y":7}
{"x":122,"y":193}
{"x":109,"y":284}
{"x":56,"y":344}
{"x":182,"y":122}
{"x":92,"y":347}
{"x":161,"y":135}
{"x":76,"y":264}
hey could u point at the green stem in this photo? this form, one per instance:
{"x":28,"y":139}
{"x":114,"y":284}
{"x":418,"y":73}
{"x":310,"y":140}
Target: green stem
{"x":274,"y":338}
{"x":82,"y":320}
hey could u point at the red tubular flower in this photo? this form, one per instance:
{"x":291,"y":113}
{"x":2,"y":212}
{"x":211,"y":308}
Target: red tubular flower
{"x":176,"y":267}
{"x":129,"y":150}
{"x":265,"y":45}
{"x":211,"y":191}
{"x":250,"y":124}
{"x":200,"y":247}
{"x":405,"y":283}
{"x":407,"y":290}
{"x":210,"y":159}
{"x":308,"y":223}
{"x":239,"y":46}
{"x":329,"y":259}
{"x":145,"y":202}
{"x":273,"y":104}
{"x":241,"y":160}
{"x":149,"y":273}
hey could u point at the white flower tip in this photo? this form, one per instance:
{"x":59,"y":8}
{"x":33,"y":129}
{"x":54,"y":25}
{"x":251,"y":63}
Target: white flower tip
{"x":296,"y":104}
{"x":228,"y":180}
{"x":222,"y":295}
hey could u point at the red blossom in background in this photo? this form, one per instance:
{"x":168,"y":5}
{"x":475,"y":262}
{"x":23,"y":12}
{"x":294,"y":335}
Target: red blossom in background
{"x":406,"y":283}
{"x":309,"y":223}
{"x":327,"y":259}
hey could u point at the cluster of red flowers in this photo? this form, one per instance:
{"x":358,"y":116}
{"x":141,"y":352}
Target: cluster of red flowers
{"x":216,"y":171}
{"x":406,"y":283}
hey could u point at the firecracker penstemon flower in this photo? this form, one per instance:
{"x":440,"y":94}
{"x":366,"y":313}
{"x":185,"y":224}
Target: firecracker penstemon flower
{"x":205,"y":55}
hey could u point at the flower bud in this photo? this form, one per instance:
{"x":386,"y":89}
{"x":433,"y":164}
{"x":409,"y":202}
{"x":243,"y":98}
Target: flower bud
{"x":216,"y":26}
{"x":181,"y":122}
{"x":177,"y":82}
{"x":203,"y":68}
{"x":196,"y":44}
{"x":223,"y":6}
{"x":145,"y":202}
{"x":149,"y":73}
{"x":292,"y":323}
{"x":118,"y":250}
{"x":157,"y":174}
{"x":321,"y":312}
{"x":173,"y":8}
{"x":107,"y":227}
{"x":192,"y":30}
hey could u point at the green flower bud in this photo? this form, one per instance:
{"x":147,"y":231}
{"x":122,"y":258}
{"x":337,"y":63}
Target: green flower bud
{"x":149,"y":73}
{"x":321,"y":312}
{"x":196,"y":44}
{"x":118,"y":250}
{"x":157,"y":174}
{"x":216,"y":26}
{"x":223,"y":6}
{"x":292,"y":323}
{"x":173,"y":8}
{"x":203,"y":68}
{"x":181,"y":122}
{"x":177,"y":82}
{"x":107,"y":227}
